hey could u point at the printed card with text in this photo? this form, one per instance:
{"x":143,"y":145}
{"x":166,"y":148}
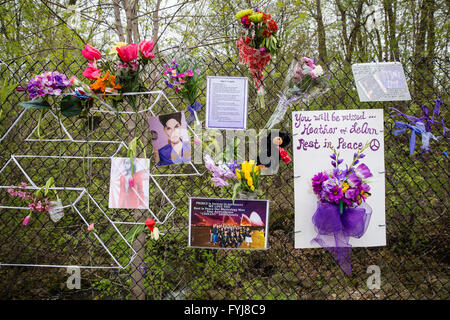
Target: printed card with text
{"x":339,"y":162}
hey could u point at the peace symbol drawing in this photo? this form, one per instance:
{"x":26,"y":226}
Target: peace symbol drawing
{"x":374,"y":145}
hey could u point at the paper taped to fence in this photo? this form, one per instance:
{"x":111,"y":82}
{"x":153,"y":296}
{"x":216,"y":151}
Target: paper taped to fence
{"x":314,"y":132}
{"x":381,"y":81}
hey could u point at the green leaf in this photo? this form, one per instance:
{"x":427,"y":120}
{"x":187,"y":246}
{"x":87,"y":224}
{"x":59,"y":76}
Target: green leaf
{"x":71,"y":106}
{"x":235,"y":190}
{"x":132,"y":234}
{"x":35,"y":104}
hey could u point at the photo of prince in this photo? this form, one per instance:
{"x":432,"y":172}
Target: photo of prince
{"x":176,"y":150}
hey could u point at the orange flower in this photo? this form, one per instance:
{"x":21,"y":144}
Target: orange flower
{"x":266,"y":17}
{"x":104,"y":83}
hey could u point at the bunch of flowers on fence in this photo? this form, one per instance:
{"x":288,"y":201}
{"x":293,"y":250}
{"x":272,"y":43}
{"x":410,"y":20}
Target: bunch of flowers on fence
{"x":119,"y":71}
{"x":37,"y":201}
{"x":257,"y":45}
{"x":249,"y":178}
{"x":341,"y":210}
{"x":304,"y":81}
{"x":183,"y":77}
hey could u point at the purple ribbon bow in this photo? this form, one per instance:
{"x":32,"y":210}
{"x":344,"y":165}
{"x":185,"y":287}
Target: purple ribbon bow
{"x":192,"y":109}
{"x":334,"y":229}
{"x":419,"y":128}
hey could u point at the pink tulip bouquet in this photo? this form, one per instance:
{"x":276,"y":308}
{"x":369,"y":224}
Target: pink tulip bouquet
{"x":119,"y":71}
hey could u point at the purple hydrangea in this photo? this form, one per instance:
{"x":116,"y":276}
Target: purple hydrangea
{"x":49,"y":82}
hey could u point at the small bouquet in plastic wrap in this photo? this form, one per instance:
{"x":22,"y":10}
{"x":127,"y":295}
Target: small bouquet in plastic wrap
{"x":304,"y":81}
{"x":184,"y":78}
{"x":341,"y":210}
{"x":257,"y":46}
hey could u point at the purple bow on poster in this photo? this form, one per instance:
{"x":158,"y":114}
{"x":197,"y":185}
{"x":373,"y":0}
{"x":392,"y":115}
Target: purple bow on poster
{"x":193,"y":108}
{"x":335,"y":229}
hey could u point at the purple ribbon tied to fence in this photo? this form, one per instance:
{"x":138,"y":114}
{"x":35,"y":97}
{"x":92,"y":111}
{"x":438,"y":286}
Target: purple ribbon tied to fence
{"x":419,"y":128}
{"x":335,"y":229}
{"x":420,"y":125}
{"x":193,"y":108}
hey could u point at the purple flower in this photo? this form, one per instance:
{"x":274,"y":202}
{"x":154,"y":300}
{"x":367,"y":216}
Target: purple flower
{"x":363,"y":171}
{"x":351,"y":193}
{"x":262,"y":50}
{"x":318,"y":180}
{"x":209,"y":163}
{"x":50,"y":83}
{"x":333,"y":163}
{"x":340,"y":161}
{"x":356,"y":162}
{"x":233,"y":165}
{"x":333,"y":156}
{"x":335,"y":194}
{"x":365,"y":187}
{"x":362,"y":155}
{"x":219,"y":182}
{"x":353,"y":180}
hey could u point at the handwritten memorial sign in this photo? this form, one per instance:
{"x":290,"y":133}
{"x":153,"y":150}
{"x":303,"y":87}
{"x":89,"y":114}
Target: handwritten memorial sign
{"x":347,"y":131}
{"x":381,"y":81}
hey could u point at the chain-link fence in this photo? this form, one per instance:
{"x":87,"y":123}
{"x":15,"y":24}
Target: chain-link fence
{"x":77,"y":153}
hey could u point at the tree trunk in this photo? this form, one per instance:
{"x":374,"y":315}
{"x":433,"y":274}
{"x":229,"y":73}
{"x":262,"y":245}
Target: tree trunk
{"x":118,"y":20}
{"x":421,"y":87}
{"x":321,"y":34}
{"x":390,"y":7}
{"x":155,"y":20}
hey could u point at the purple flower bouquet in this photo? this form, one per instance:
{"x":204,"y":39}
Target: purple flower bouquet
{"x":341,"y":210}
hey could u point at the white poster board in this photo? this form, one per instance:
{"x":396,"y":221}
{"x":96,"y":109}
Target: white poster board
{"x":346,"y":131}
{"x":380,"y":81}
{"x":226,"y":103}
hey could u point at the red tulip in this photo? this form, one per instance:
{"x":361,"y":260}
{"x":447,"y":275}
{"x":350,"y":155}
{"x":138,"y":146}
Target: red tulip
{"x":150,"y":223}
{"x":128,"y":53}
{"x":91,"y":53}
{"x":145,"y":49}
{"x":92,"y":72}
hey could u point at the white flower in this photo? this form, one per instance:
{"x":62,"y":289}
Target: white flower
{"x":155,"y":234}
{"x":318,"y":71}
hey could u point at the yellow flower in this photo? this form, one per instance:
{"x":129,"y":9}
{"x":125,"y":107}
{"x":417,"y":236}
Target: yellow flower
{"x":247,"y":166}
{"x":238,"y":175}
{"x":345,"y":186}
{"x":250,"y":181}
{"x":113,"y":50}
{"x":252,"y":187}
{"x":243,"y":13}
{"x":256,"y":17}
